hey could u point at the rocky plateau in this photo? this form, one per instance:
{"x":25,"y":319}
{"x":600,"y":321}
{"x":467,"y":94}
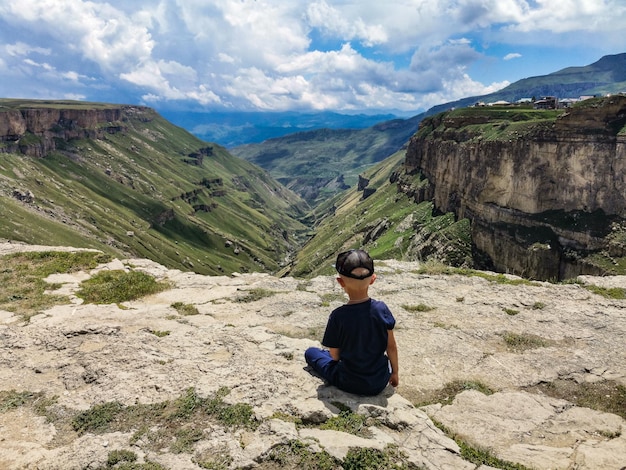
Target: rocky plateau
{"x":87,"y":354}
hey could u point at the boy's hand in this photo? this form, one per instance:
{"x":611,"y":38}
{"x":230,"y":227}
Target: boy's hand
{"x":394,"y":380}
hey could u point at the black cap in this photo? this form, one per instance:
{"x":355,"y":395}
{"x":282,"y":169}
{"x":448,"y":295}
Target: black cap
{"x":348,"y":261}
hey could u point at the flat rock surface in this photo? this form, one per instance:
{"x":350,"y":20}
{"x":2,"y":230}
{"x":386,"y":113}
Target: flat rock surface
{"x":449,"y":328}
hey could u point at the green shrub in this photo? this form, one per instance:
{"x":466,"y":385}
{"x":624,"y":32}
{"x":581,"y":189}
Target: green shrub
{"x":364,"y":458}
{"x":97,"y":417}
{"x":117,"y":456}
{"x":347,"y":421}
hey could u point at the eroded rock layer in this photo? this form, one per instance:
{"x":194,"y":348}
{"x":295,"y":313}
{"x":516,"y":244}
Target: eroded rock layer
{"x":544,"y":190}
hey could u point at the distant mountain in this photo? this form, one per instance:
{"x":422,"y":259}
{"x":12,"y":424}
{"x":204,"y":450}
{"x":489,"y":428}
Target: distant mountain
{"x":238,"y":128}
{"x":319,"y":164}
{"x":606,"y":76}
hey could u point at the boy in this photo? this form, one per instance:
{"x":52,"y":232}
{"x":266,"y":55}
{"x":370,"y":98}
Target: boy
{"x":358,"y":334}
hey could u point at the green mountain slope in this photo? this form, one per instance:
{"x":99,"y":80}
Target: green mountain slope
{"x":319,"y":164}
{"x":140,"y":186}
{"x":386,"y":222}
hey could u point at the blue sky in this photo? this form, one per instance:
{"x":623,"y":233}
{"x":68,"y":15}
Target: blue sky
{"x":402,"y":56}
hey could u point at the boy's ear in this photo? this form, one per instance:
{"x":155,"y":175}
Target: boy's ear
{"x":373,"y":279}
{"x":341,"y":282}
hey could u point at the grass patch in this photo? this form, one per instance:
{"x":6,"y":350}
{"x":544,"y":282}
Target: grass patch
{"x":477,"y":455}
{"x":217,"y":458}
{"x":418,"y":308}
{"x":126,"y":460}
{"x":109,"y":287}
{"x":311,"y":332}
{"x":617,"y":293}
{"x":361,"y":458}
{"x":119,"y":456}
{"x":185,"y":309}
{"x":185,"y":438}
{"x":538,"y":306}
{"x":22,"y":285}
{"x":288,"y":418}
{"x":160,"y":334}
{"x":449,"y":391}
{"x":511,"y":311}
{"x":176,"y":424}
{"x":522,"y":342}
{"x":347,"y":421}
{"x":253,"y":295}
{"x":607,"y":396}
{"x":297,"y":454}
{"x":11,"y":399}
{"x":97,"y":418}
{"x":434,"y":268}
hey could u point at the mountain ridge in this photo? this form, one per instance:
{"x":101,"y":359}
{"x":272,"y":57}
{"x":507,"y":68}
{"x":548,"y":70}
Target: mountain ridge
{"x":123,"y":179}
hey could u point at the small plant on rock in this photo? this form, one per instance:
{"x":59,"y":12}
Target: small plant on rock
{"x":417,"y":308}
{"x":297,"y":454}
{"x":253,"y":295}
{"x":185,"y":309}
{"x":522,"y":342}
{"x":362,"y":458}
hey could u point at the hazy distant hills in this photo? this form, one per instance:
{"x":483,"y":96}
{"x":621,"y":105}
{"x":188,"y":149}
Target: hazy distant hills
{"x":237,"y":128}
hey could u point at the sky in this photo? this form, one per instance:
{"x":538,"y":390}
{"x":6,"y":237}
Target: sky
{"x":367,"y":56}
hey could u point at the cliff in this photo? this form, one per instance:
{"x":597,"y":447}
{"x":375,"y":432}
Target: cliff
{"x":209,"y":372}
{"x":544,"y":190}
{"x":35,"y":130}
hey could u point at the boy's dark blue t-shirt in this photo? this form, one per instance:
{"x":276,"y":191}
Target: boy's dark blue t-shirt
{"x":360,"y":332}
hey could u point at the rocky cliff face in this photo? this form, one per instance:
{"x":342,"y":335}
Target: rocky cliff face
{"x":36,"y":131}
{"x":545,"y":194}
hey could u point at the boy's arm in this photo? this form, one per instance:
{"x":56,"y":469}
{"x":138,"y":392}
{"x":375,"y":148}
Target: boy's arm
{"x":392,"y":353}
{"x":334,"y":353}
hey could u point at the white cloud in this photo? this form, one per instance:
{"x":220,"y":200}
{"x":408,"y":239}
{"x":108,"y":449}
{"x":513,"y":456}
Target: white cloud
{"x":98,"y":31}
{"x":22,"y":49}
{"x":559,"y":16}
{"x":322,"y":15}
{"x":273,"y":54}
